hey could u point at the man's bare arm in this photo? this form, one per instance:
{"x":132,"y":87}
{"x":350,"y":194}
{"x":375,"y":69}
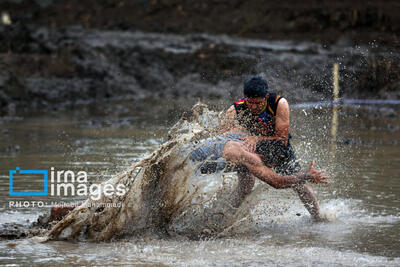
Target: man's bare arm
{"x":282,"y":121}
{"x":238,"y":153}
{"x":280,"y":182}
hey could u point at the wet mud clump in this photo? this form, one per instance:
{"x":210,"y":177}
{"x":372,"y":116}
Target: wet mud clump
{"x":165,"y":194}
{"x":11,"y":231}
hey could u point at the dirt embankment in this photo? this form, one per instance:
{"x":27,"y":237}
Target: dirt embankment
{"x":326,"y":21}
{"x":46,"y":63}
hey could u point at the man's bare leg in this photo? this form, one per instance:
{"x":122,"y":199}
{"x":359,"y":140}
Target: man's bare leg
{"x":245,"y":184}
{"x":307,"y":196}
{"x":238,"y":153}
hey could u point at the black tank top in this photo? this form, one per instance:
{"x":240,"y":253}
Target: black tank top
{"x":261,"y":124}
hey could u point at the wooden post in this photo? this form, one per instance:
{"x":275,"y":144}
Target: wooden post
{"x":335,"y":109}
{"x":335,"y":82}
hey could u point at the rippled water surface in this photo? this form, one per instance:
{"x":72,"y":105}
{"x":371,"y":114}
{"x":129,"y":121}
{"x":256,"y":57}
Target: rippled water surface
{"x":361,"y":151}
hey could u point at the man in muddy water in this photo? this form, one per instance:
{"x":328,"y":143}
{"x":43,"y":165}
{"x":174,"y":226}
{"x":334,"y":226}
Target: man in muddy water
{"x":255,"y":136}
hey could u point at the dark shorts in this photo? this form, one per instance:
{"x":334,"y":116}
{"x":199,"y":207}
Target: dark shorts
{"x":278,"y":156}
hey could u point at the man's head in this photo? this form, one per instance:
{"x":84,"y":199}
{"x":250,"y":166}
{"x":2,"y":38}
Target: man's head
{"x":255,"y":92}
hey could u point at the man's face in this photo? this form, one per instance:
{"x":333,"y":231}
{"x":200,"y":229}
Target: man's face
{"x":256,"y":104}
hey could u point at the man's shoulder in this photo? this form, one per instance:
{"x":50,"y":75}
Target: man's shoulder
{"x":274,"y":101}
{"x":281,"y":100}
{"x":283,"y":107}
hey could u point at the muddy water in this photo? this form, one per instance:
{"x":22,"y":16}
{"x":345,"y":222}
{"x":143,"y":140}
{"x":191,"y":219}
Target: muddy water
{"x":362,"y":157}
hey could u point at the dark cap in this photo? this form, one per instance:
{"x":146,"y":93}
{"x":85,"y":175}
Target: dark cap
{"x":255,"y":87}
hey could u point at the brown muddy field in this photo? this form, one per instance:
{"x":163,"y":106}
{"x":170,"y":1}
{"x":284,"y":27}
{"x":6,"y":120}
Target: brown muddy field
{"x":59,"y":54}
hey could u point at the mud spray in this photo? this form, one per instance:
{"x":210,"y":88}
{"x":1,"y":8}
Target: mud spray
{"x":165,"y":194}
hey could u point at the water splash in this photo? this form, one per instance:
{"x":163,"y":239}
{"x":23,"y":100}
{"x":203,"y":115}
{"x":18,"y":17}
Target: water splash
{"x":165,"y":193}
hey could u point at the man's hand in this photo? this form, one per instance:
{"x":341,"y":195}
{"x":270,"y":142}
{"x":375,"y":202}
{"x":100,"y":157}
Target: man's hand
{"x":317,"y":176}
{"x":250,"y":142}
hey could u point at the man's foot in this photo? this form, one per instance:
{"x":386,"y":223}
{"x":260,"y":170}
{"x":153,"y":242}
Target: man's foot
{"x":324,"y":217}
